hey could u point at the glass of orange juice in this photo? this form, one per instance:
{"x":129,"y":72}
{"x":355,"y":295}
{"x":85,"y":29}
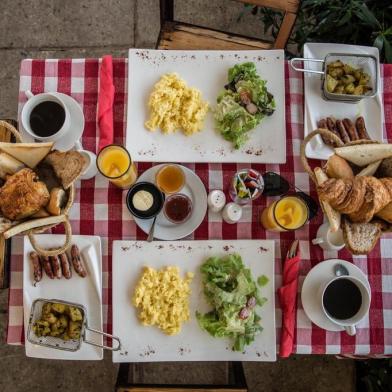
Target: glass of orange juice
{"x":115,"y":163}
{"x":286,"y":214}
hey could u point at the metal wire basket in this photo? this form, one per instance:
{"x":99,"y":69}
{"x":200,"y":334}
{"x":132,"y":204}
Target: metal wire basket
{"x":366,"y":62}
{"x":58,"y":343}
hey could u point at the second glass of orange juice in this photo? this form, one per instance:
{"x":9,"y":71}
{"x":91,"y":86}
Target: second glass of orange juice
{"x":115,"y":163}
{"x":288,"y":213}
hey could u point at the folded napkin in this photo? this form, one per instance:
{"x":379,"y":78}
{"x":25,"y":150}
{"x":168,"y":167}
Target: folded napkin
{"x":105,"y":102}
{"x":288,"y":302}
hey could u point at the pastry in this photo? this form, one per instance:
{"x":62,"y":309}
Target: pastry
{"x":22,"y":195}
{"x":361,"y":198}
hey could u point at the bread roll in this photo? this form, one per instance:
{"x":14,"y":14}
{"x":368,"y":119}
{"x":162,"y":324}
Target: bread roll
{"x":57,"y":201}
{"x":337,"y":167}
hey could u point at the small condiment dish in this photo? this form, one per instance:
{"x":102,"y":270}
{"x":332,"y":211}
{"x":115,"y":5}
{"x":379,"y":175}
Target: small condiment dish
{"x":158,"y":199}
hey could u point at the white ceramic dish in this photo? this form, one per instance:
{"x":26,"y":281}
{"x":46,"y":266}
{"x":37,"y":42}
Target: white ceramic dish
{"x":166,"y":230}
{"x":85,"y":291}
{"x":149,"y":344}
{"x":207,"y":71}
{"x":316,"y":107}
{"x":76,"y":127}
{"x":317,"y":277}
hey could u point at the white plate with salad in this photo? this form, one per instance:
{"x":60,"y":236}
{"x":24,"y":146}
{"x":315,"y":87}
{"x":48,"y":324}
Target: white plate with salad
{"x":244,"y":270}
{"x":248,"y":123}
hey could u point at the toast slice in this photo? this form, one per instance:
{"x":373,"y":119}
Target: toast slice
{"x":28,"y":153}
{"x":363,"y":154}
{"x":68,"y":166}
{"x":360,"y":238}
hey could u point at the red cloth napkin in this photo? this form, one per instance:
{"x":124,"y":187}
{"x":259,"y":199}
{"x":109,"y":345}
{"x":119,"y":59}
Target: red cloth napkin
{"x":105,"y":102}
{"x":288,"y":302}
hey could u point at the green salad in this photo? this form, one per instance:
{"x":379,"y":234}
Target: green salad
{"x":243,"y":103}
{"x":232,"y":292}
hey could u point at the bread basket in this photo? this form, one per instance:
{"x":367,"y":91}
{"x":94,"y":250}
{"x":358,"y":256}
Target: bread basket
{"x":329,"y":135}
{"x":33,"y":226}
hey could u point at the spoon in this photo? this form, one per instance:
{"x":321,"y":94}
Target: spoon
{"x":150,"y":237}
{"x":340,"y":270}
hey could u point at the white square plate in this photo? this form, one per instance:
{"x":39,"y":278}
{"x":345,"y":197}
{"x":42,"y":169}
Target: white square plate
{"x":316,"y":107}
{"x":207,"y":71}
{"x":148,"y":344}
{"x":85,"y":291}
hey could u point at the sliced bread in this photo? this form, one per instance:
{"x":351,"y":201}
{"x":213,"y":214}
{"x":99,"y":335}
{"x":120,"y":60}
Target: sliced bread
{"x":68,"y":166}
{"x":360,"y":238}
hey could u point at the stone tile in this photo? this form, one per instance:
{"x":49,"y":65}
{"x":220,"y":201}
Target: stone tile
{"x":305,"y":373}
{"x":181,"y":373}
{"x":59,"y":23}
{"x":147,"y":23}
{"x":9,"y":69}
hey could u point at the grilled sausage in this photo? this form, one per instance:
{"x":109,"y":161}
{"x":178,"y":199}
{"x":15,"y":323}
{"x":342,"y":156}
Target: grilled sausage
{"x":361,"y":128}
{"x":327,"y":140}
{"x":56,"y":266}
{"x":77,"y":262}
{"x":331,"y":125}
{"x":342,"y":131}
{"x":65,"y":266}
{"x":350,"y":128}
{"x":47,"y":266}
{"x":37,"y":268}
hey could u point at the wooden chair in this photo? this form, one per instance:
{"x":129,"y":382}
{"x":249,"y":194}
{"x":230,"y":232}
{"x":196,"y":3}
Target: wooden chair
{"x":179,"y":35}
{"x":5,"y":136}
{"x":237,"y":382}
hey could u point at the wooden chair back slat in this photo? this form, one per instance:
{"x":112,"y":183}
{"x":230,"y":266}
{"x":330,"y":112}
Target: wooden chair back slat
{"x":282,"y":5}
{"x":203,"y":38}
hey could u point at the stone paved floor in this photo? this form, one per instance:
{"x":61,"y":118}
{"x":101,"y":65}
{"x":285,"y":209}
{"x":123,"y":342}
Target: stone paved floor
{"x":90,"y":28}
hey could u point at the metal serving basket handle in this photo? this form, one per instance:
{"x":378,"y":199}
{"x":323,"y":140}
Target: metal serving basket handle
{"x":114,"y":338}
{"x":294,"y":60}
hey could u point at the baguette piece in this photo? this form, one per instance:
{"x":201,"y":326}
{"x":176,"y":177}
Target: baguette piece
{"x":57,"y":200}
{"x":9,"y":165}
{"x":360,"y":238}
{"x":334,"y":217}
{"x":370,"y":169}
{"x":363,"y":154}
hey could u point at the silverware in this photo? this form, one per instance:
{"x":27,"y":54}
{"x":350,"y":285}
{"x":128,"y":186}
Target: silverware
{"x":150,"y":237}
{"x":340,"y":270}
{"x":292,"y":250}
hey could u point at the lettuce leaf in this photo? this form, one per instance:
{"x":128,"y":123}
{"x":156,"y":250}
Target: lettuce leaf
{"x":232,"y":119}
{"x":228,"y":285}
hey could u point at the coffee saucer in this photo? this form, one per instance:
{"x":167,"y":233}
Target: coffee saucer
{"x":76,"y":128}
{"x":317,"y":277}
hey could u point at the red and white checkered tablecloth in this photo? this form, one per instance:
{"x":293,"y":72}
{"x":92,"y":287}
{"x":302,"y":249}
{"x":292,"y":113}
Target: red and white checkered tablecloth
{"x":99,"y":208}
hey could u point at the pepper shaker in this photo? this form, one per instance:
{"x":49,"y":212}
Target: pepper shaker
{"x":232,"y":213}
{"x":216,"y":200}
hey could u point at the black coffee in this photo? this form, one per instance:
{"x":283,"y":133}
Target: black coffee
{"x":47,"y":118}
{"x":342,"y":299}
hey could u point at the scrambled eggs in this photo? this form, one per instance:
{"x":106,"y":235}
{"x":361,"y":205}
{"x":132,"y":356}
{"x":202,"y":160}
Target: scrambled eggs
{"x":163,"y":298}
{"x":173,"y":105}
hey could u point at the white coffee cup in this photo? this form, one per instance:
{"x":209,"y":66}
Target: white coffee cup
{"x":31,"y":103}
{"x":90,"y":170}
{"x":350,"y":323}
{"x":327,"y":239}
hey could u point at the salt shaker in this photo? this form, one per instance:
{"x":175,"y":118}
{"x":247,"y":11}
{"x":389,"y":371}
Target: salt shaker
{"x":216,"y":200}
{"x":232,"y":213}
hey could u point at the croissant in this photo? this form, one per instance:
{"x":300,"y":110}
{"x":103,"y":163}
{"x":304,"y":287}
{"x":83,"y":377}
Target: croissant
{"x":360,"y":198}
